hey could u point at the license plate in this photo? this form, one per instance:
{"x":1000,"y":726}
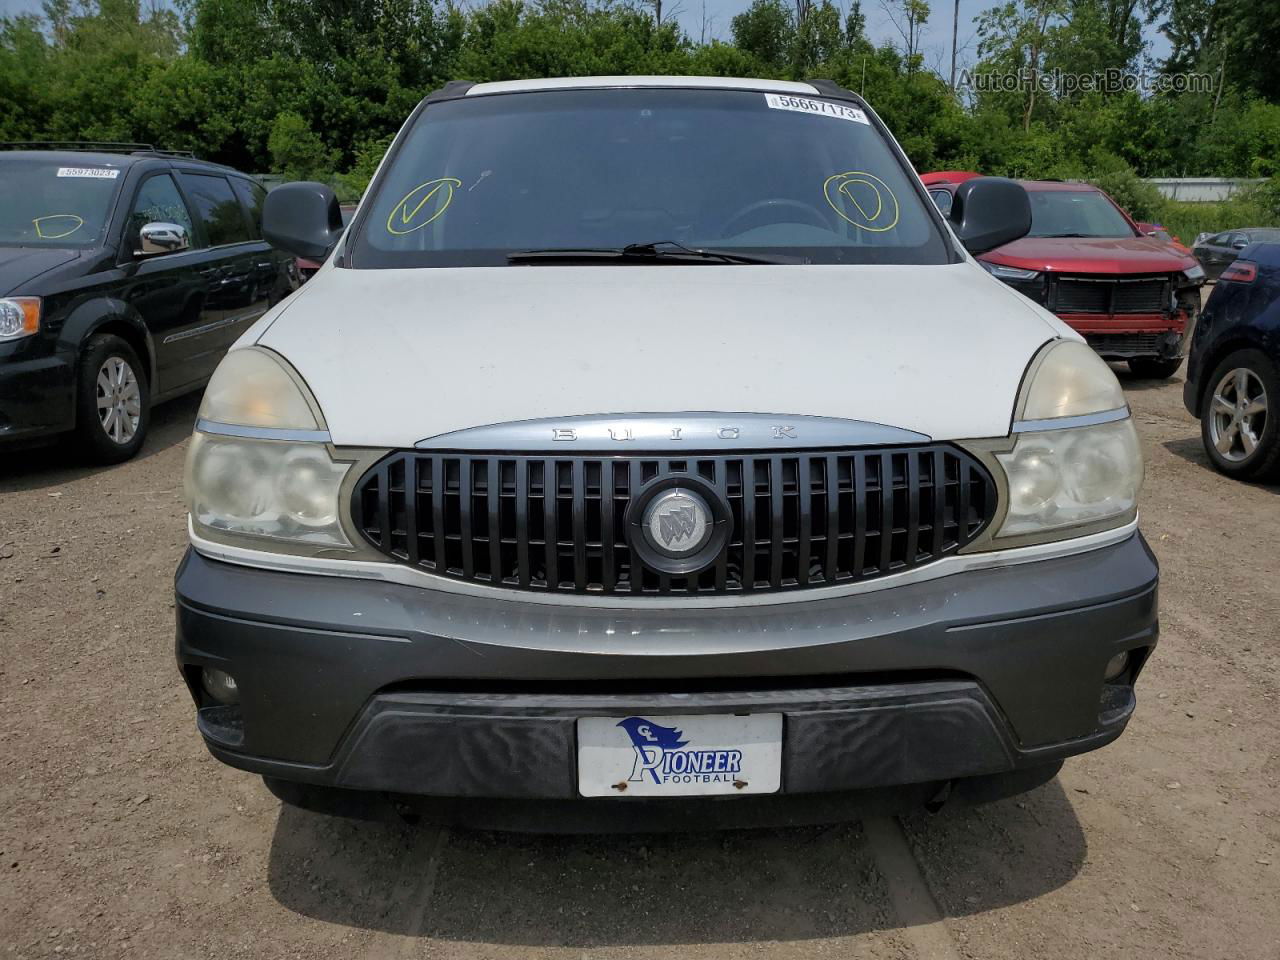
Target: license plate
{"x":679,"y":756}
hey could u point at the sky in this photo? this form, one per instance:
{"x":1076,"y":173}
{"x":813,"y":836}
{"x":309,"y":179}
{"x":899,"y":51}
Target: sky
{"x":880,"y":29}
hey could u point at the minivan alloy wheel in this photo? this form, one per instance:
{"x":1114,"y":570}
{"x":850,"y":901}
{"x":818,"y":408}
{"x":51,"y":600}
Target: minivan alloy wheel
{"x":1238,"y":414}
{"x":119,"y":400}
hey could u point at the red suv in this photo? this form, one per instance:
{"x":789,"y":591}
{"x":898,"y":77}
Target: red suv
{"x":1129,"y":295}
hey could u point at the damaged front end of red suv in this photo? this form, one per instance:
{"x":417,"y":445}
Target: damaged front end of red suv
{"x":1131,"y":296}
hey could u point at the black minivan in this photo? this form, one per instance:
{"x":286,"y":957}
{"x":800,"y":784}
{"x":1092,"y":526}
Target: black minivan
{"x":125,"y":274}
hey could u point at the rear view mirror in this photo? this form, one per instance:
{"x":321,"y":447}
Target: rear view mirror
{"x":989,"y":212}
{"x":302,"y":218}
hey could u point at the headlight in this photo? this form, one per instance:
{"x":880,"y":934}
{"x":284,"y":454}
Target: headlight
{"x":1009,"y":273}
{"x":1075,"y":465}
{"x":19,"y":317}
{"x":1071,"y":478}
{"x":259,"y":464}
{"x":1194,"y":274}
{"x":1067,"y":379}
{"x":254,"y":387}
{"x":265,"y":488}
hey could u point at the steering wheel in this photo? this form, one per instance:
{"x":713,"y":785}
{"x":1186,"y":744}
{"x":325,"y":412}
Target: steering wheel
{"x":810,"y":213}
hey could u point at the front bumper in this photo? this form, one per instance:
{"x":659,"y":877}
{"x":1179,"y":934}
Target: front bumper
{"x":37,"y":397}
{"x":369,"y":685}
{"x":1123,"y":337}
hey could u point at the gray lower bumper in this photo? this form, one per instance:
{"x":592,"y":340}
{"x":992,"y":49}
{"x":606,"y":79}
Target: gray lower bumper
{"x":377,"y":686}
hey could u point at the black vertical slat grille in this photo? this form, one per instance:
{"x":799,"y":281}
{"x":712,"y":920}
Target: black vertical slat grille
{"x":1109,"y":295}
{"x":560,"y":524}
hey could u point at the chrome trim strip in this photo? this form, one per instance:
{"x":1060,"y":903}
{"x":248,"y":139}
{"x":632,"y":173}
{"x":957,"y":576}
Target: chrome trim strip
{"x":407,"y":576}
{"x":261,"y":433}
{"x":1066,"y":423}
{"x":645,"y":432}
{"x":217,"y":324}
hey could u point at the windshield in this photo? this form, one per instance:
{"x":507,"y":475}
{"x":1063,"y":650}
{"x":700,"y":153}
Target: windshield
{"x":479,"y":179}
{"x":54,"y":203}
{"x":1075,"y":213}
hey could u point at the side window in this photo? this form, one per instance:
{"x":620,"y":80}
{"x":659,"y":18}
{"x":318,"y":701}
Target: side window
{"x":943,"y":199}
{"x":224,"y":221}
{"x":158,"y":201}
{"x":252,"y":196}
{"x":1220,"y":240}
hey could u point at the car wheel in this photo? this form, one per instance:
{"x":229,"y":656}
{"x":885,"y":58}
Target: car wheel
{"x":1237,"y":426}
{"x":1154,"y":368}
{"x":113,"y":400}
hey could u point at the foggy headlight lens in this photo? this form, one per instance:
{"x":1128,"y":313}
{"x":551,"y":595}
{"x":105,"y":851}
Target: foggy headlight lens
{"x":251,"y":387}
{"x":1070,"y":381}
{"x":265,"y":488}
{"x":1067,"y":478}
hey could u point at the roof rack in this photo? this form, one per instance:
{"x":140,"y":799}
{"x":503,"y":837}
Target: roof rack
{"x":184,"y":154}
{"x":96,"y":146}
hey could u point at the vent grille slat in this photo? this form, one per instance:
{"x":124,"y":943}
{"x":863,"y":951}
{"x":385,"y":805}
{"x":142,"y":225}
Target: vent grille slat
{"x":796,"y":520}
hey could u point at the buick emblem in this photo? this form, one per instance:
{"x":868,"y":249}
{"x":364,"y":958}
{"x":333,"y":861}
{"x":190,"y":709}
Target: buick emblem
{"x":677,"y":523}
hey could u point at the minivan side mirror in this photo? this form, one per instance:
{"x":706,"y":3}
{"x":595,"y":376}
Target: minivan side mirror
{"x":989,"y":212}
{"x":161,"y":237}
{"x":302,"y":218}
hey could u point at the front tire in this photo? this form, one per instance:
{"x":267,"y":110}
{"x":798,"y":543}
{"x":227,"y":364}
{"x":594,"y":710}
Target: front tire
{"x":1153,"y":368}
{"x":1239,"y":431}
{"x":113,"y":401}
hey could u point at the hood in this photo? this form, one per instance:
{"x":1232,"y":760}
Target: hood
{"x":21,"y":265}
{"x":1118,"y":255}
{"x":398,"y":356}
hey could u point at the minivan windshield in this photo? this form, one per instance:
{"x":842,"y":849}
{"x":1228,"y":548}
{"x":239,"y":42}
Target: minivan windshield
{"x":490,"y":179}
{"x":46,"y":202}
{"x":1075,"y":213}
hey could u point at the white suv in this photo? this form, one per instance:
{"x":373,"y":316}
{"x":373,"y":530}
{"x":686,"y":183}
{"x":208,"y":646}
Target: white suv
{"x":651,"y":451}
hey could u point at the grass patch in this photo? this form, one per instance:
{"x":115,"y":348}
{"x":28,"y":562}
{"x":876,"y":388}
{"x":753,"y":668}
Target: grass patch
{"x":1187,"y":220}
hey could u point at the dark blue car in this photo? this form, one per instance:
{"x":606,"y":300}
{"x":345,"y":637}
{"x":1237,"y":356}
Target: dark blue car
{"x":1233,"y":372}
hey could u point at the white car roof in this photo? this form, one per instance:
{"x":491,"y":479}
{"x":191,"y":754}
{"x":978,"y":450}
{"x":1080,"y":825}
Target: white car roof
{"x":570,"y":83}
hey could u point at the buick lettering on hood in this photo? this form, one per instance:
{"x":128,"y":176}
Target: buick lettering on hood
{"x":648,"y":453}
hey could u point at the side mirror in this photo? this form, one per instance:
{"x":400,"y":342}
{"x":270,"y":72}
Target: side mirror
{"x":302,"y":218}
{"x":160,"y":237}
{"x":1239,"y":244}
{"x":989,"y":212}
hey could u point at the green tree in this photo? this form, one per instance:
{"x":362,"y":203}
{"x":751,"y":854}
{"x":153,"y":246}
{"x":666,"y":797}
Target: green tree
{"x":297,"y":152}
{"x":766,"y":32}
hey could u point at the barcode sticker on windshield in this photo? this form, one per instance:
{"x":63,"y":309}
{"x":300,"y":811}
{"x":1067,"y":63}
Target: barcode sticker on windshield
{"x":94,"y":173}
{"x":822,"y":108}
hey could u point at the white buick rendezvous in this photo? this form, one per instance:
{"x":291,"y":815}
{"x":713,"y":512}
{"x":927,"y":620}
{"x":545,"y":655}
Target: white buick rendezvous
{"x":650,"y":452}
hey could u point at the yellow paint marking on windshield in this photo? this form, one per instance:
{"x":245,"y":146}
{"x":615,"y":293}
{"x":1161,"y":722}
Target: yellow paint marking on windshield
{"x":863,"y":190}
{"x":57,"y":232}
{"x":401,"y":219}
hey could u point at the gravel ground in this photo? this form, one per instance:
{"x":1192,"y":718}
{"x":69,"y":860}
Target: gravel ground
{"x":120,"y":837}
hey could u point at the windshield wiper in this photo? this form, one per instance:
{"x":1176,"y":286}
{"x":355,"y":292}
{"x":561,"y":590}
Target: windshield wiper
{"x":661,"y":251}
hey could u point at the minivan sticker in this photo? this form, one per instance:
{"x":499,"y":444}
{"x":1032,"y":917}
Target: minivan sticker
{"x":862,"y":199}
{"x":417,"y":208}
{"x":93,"y":173}
{"x":821,"y":108}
